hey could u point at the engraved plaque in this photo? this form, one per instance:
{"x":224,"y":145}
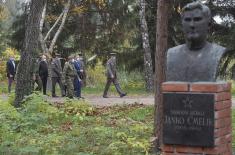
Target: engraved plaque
{"x":188,"y":119}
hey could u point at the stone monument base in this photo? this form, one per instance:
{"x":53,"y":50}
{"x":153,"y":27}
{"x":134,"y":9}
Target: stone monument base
{"x":221,"y":124}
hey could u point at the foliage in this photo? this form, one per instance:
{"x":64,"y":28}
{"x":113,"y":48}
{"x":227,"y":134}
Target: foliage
{"x":2,"y":70}
{"x":96,"y":74}
{"x":10,"y":52}
{"x":4,"y":13}
{"x":40,"y":127}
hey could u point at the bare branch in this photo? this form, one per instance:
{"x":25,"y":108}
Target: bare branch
{"x":42,"y":42}
{"x":66,"y":10}
{"x":56,"y":22}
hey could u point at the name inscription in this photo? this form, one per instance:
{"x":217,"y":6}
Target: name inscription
{"x":188,"y":119}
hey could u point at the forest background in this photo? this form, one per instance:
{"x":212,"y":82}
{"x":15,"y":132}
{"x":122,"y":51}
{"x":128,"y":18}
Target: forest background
{"x":97,"y":27}
{"x":94,"y":28}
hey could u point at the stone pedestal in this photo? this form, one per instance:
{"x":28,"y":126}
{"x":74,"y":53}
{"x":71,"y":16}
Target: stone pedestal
{"x":197,"y":118}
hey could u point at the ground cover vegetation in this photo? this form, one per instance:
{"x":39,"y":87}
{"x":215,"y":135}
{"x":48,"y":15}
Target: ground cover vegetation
{"x":40,"y":127}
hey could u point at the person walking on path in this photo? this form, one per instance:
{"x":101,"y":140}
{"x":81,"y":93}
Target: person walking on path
{"x":82,"y":72}
{"x":36,"y":77}
{"x":11,"y":71}
{"x":77,"y":80}
{"x":111,"y":73}
{"x":43,"y":72}
{"x":69,"y":74}
{"x":56,"y":74}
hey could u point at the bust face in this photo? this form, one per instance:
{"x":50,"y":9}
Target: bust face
{"x":195,"y":25}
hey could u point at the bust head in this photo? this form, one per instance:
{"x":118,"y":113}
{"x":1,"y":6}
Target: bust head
{"x":196,"y":20}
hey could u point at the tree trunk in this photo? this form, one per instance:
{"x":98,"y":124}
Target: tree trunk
{"x":148,"y":65}
{"x":25,"y":68}
{"x":42,"y":41}
{"x":160,"y":65}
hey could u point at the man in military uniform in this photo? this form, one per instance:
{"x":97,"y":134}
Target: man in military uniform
{"x":82,"y":72}
{"x":36,"y":77}
{"x":69,"y":74}
{"x":56,"y":74}
{"x":111,"y":73}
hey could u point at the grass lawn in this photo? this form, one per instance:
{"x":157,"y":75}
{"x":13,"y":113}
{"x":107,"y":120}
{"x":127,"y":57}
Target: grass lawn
{"x":74,"y":128}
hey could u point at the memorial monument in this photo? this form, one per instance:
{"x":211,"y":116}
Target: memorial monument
{"x":197,"y":108}
{"x":197,"y":59}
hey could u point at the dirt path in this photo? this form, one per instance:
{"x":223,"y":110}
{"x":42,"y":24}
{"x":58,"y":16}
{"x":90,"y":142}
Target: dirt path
{"x":111,"y":101}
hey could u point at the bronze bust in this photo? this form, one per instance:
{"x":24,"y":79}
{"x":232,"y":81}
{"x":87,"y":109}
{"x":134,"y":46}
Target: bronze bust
{"x":197,"y":59}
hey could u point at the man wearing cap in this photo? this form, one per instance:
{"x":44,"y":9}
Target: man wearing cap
{"x":56,"y":74}
{"x":111,"y":73}
{"x":69,"y":74}
{"x":82,"y":73}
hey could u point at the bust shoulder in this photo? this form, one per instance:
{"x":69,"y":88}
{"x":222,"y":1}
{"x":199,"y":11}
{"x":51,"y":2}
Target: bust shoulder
{"x":176,"y":49}
{"x":217,"y":49}
{"x":201,"y":65}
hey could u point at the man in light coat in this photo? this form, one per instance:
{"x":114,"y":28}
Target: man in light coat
{"x":111,"y":73}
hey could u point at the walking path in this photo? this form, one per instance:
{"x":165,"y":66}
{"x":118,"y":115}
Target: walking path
{"x":111,"y":101}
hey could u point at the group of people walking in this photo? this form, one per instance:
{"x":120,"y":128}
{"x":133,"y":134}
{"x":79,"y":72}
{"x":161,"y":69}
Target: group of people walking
{"x":69,"y":78}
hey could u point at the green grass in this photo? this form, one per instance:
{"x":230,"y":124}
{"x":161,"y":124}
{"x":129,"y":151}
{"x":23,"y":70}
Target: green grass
{"x":74,"y":128}
{"x":4,"y":87}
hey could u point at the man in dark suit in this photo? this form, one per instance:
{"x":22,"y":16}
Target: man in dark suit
{"x":112,"y":76}
{"x":56,"y":74}
{"x":11,"y":70}
{"x":78,"y":78}
{"x":43,"y":73}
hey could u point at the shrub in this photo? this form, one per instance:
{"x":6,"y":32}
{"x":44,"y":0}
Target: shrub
{"x":2,"y":70}
{"x":73,"y":127}
{"x":10,"y":52}
{"x":96,"y":76}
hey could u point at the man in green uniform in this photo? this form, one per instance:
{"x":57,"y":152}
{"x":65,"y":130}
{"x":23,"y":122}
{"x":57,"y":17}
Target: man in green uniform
{"x":69,"y":73}
{"x":111,"y":73}
{"x":36,"y":77}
